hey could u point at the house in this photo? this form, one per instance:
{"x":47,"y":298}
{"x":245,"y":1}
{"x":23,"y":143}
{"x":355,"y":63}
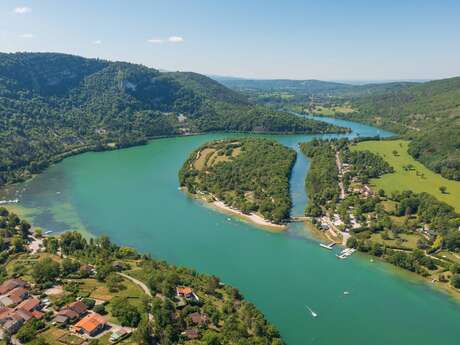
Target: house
{"x":5,"y":314}
{"x":78,"y":307}
{"x":191,"y":333}
{"x":90,"y":325}
{"x":198,"y":318}
{"x":65,"y":316}
{"x":11,"y":284}
{"x":15,"y":296}
{"x":30,"y":304}
{"x":13,"y":324}
{"x":88,"y":269}
{"x":184,"y":291}
{"x":119,"y":334}
{"x":23,"y":314}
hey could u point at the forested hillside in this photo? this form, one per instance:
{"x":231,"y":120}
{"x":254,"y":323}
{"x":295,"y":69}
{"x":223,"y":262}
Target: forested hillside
{"x":249,"y":174}
{"x":428,"y":113}
{"x":53,"y":105}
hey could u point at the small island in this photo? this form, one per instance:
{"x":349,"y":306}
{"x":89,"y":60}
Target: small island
{"x":245,"y":176}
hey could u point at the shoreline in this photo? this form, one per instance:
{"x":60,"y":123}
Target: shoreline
{"x":252,"y":218}
{"x":444,"y":288}
{"x":220,"y":206}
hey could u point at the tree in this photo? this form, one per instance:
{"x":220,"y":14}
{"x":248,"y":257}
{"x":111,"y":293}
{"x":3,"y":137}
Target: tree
{"x":39,"y":232}
{"x":125,"y":312}
{"x":45,"y":270}
{"x":143,"y":333}
{"x":100,"y":309}
{"x":455,"y":280}
{"x":28,"y":330}
{"x":69,"y":266}
{"x":114,"y":282}
{"x":443,"y":189}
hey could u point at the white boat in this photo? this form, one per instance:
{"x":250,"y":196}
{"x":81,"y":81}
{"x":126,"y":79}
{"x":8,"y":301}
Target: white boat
{"x":311,"y":312}
{"x":14,"y":201}
{"x":48,"y":232}
{"x":346,"y":292}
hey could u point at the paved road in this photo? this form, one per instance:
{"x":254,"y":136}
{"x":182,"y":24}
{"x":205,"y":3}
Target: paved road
{"x":137,"y":282}
{"x":144,"y":287}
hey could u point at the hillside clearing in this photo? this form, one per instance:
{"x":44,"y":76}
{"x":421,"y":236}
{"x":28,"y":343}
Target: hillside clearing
{"x":409,"y":174}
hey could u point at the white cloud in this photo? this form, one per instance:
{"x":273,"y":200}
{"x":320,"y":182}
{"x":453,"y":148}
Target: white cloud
{"x":97,"y":42}
{"x":22,"y":10}
{"x":27,"y":35}
{"x":176,"y":39}
{"x":155,"y":40}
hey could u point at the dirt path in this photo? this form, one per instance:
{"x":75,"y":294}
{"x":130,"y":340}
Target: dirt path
{"x":339,"y":167}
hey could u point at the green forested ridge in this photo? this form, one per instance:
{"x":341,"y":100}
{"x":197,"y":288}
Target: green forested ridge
{"x":428,"y":113}
{"x":52,"y":105}
{"x":249,"y":174}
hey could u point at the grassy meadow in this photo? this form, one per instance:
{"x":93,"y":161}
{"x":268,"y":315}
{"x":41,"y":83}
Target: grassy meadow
{"x":417,"y":179}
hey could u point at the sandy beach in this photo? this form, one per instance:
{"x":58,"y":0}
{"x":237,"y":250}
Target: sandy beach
{"x":253,"y":218}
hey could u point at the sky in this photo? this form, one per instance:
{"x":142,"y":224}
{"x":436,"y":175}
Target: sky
{"x":295,"y":39}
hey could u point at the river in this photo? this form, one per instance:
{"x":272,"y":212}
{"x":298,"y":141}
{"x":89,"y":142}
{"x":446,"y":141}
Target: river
{"x":132,"y":195}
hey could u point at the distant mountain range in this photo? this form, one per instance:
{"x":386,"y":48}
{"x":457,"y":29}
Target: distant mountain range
{"x":309,"y":87}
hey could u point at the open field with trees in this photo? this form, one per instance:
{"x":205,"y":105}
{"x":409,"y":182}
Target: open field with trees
{"x":409,"y":174}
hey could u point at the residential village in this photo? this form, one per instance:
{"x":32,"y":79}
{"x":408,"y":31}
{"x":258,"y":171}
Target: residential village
{"x":414,"y":231}
{"x":67,"y":290}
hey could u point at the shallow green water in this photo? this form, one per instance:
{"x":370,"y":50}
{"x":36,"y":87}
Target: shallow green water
{"x":132,"y":195}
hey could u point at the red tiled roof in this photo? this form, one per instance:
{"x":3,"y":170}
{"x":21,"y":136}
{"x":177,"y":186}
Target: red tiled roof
{"x":78,"y":307}
{"x":24,"y":314}
{"x":68,"y":313}
{"x":184,"y":290}
{"x":18,"y":294}
{"x":29,"y":304}
{"x":37,"y":314}
{"x":10,"y":284}
{"x":90,"y":322}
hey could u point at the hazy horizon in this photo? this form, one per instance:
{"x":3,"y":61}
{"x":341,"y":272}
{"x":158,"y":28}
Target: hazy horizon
{"x":332,"y":40}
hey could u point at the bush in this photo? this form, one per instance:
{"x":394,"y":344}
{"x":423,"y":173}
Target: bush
{"x":100,"y":309}
{"x":455,"y":281}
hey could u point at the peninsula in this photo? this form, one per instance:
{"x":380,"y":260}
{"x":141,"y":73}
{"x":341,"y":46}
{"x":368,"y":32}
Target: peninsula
{"x":246,"y":176}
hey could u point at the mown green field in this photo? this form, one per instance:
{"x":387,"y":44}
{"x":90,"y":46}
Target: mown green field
{"x":418,"y":179}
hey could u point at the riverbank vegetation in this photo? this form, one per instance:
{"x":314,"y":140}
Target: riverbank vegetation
{"x":67,"y":278}
{"x":56,"y":105}
{"x":248,"y":174}
{"x":322,"y":182}
{"x":412,"y":230}
{"x":427,"y":114}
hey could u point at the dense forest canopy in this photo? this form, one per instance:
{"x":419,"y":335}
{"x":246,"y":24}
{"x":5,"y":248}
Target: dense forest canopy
{"x":52,"y":105}
{"x":249,"y":174}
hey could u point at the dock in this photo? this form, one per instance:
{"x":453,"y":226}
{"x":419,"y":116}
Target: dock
{"x":345,"y":253}
{"x":327,"y":246}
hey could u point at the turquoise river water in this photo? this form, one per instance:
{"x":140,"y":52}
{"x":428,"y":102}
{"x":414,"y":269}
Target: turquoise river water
{"x":132,"y":195}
